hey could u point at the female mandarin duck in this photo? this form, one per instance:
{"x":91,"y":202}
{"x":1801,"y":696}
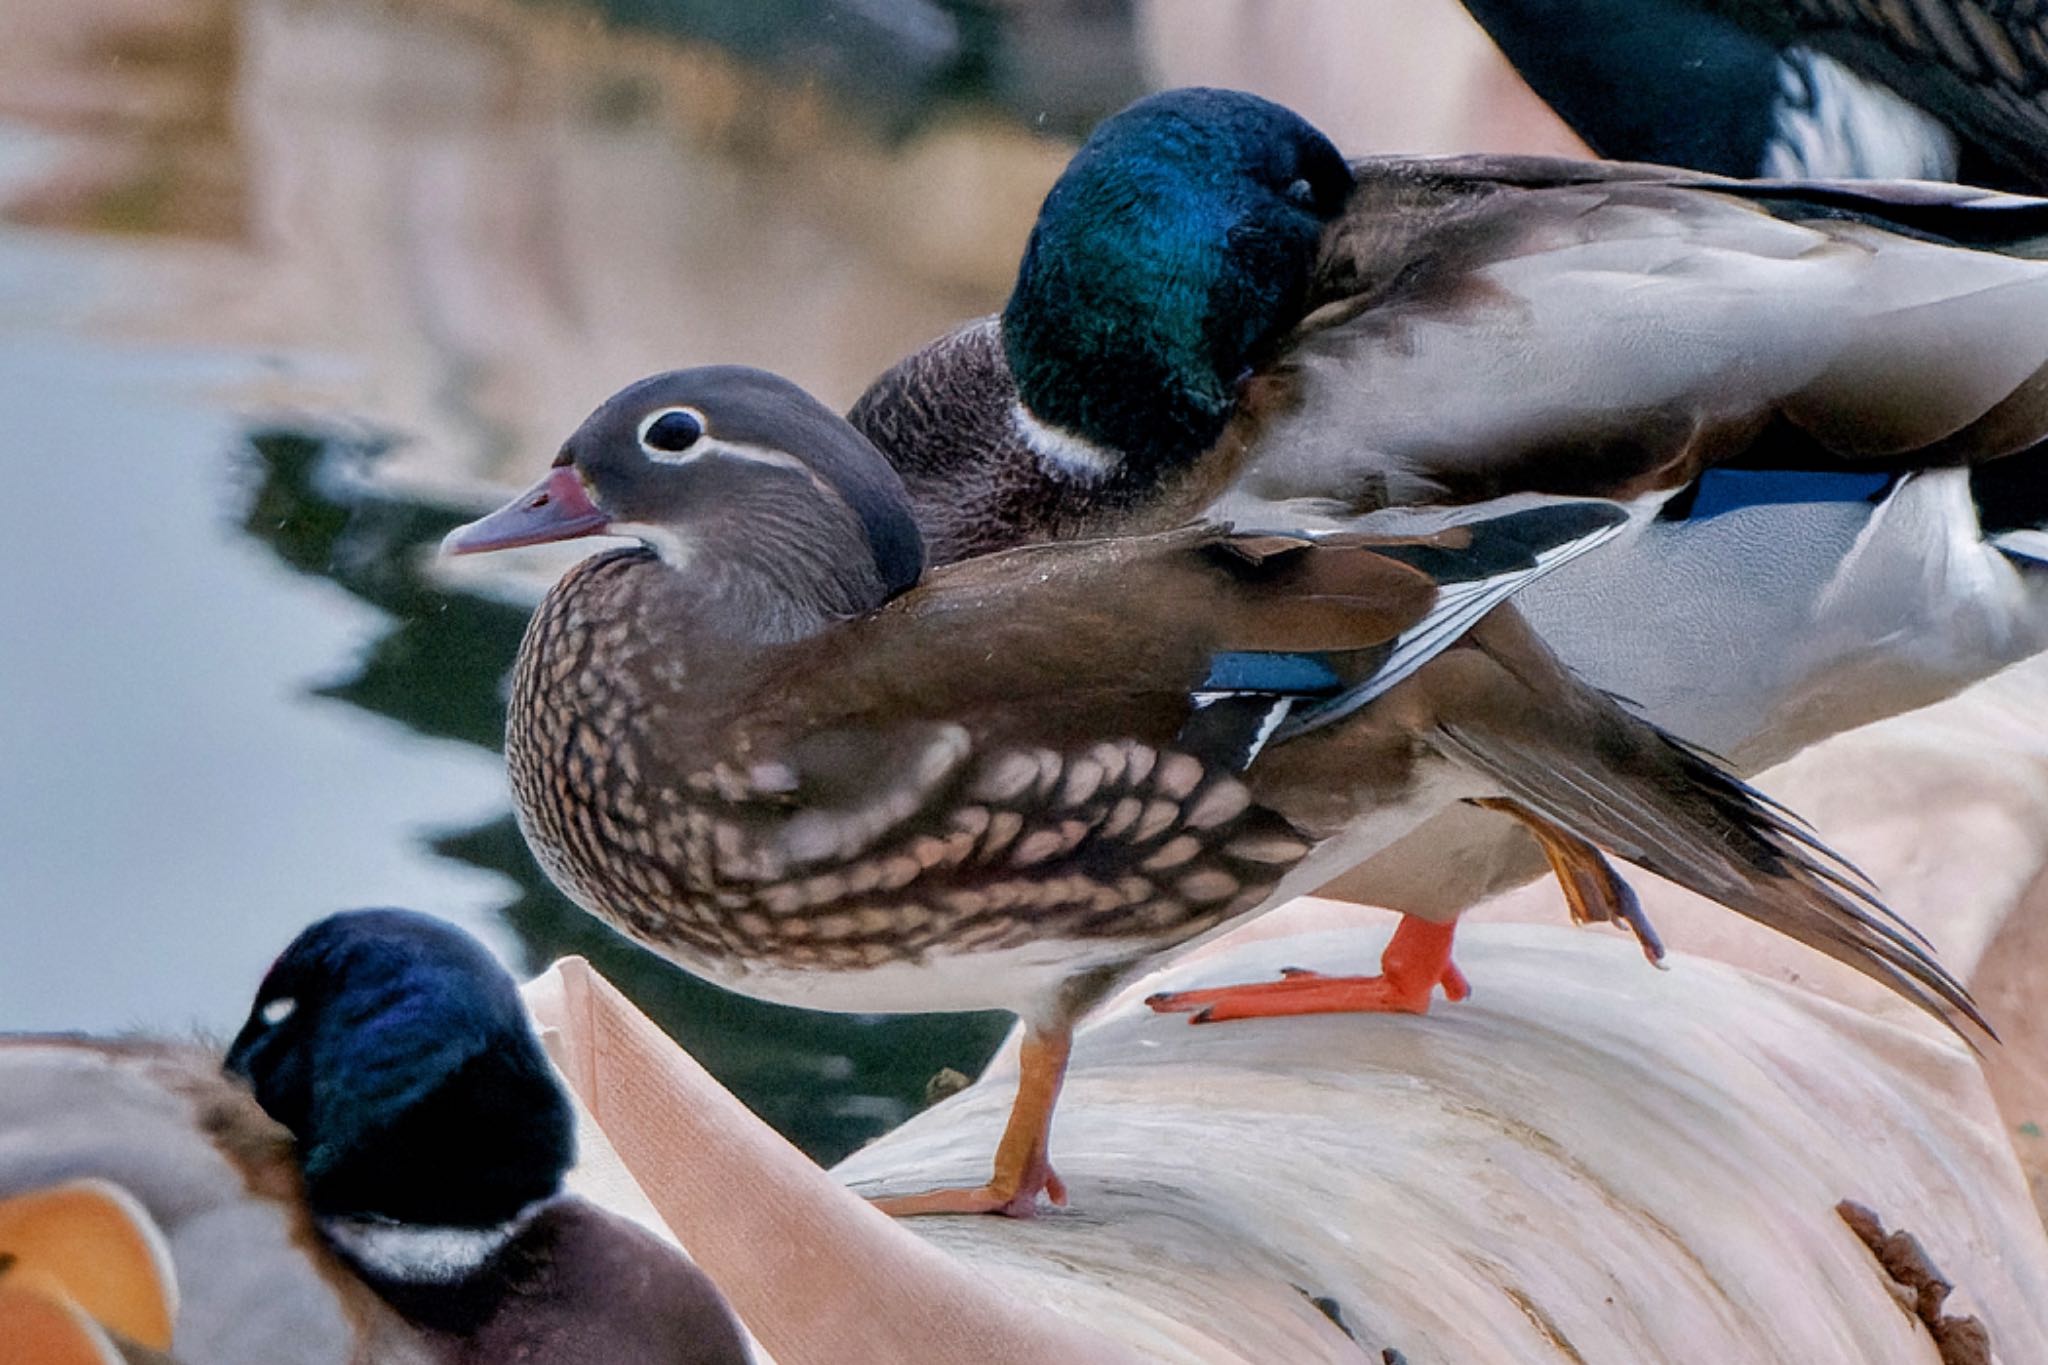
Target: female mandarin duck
{"x":759,"y":744}
{"x":1920,"y":89}
{"x":1216,"y":311}
{"x":376,"y":1176}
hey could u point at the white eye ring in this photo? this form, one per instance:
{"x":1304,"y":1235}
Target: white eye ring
{"x":276,"y":1011}
{"x":654,"y":452}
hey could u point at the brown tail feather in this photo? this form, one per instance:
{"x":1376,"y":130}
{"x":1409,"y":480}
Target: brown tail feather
{"x":1657,"y":803}
{"x":1791,"y":824}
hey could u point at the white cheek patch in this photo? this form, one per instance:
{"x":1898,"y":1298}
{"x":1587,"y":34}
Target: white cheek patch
{"x":669,"y":545}
{"x":275,"y":1012}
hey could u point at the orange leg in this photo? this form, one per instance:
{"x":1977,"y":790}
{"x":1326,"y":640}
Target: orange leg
{"x":1417,"y":960}
{"x":1593,"y":891}
{"x":1023,"y":1168}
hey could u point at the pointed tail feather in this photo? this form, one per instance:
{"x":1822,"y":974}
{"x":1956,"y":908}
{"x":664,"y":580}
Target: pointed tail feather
{"x":1660,"y":804}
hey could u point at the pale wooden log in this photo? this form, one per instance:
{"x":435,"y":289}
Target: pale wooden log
{"x":815,"y":1274}
{"x":1589,"y":1157}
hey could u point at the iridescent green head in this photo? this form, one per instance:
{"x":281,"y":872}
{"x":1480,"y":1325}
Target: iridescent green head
{"x":1167,"y":260}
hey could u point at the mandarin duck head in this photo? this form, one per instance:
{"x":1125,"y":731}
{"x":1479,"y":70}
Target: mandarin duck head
{"x":725,"y":470}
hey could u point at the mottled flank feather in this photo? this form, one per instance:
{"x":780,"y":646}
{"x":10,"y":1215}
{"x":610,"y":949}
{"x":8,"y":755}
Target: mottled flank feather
{"x":991,"y":807}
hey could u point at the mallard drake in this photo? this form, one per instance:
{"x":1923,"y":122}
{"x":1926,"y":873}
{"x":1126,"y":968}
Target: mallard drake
{"x":766,"y":744}
{"x":1215,"y":311}
{"x":376,"y":1174}
{"x":1930,"y":90}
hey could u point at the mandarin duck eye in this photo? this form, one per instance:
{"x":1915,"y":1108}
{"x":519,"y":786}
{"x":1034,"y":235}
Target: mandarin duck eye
{"x":671,"y":431}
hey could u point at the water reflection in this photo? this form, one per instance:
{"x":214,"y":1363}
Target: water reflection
{"x":231,"y":695}
{"x":829,"y":1082}
{"x":175,"y":799}
{"x":903,"y":63}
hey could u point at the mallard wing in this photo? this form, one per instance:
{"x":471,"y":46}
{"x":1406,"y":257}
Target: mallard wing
{"x":1494,"y":325}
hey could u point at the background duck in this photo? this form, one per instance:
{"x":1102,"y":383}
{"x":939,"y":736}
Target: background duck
{"x":761,"y":745}
{"x":1216,"y":310}
{"x":1927,"y":89}
{"x":392,"y":1189}
{"x":1213,"y":302}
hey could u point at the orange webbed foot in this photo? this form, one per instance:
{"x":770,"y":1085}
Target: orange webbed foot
{"x":1018,"y":1202}
{"x":1416,"y":963}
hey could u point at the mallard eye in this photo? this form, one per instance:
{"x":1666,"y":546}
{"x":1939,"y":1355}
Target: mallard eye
{"x":275,"y":1012}
{"x":1302,"y":193}
{"x":670,"y":431}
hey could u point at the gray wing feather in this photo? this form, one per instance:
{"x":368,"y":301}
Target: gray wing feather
{"x":1460,"y":604}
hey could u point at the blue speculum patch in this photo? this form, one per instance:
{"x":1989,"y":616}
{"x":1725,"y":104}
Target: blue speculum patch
{"x":1730,"y":490}
{"x":1283,"y":674}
